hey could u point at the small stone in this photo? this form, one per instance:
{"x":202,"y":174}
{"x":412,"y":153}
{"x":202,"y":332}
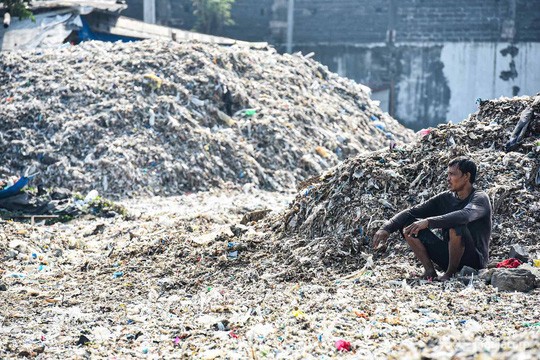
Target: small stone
{"x":3,"y":287}
{"x":254,"y":216}
{"x":519,"y":252}
{"x":238,"y":229}
{"x":83,"y":340}
{"x":513,"y":280}
{"x":486,"y":274}
{"x":468,"y":271}
{"x":11,"y":254}
{"x":32,"y":353}
{"x":61,"y":194}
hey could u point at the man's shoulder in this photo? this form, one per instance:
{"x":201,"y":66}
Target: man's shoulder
{"x":481,"y":198}
{"x":481,"y":194}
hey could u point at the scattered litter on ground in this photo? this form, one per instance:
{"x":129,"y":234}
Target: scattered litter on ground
{"x":145,"y":285}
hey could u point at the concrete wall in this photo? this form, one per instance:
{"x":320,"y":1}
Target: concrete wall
{"x":367,"y":21}
{"x":474,"y":71}
{"x":436,"y":83}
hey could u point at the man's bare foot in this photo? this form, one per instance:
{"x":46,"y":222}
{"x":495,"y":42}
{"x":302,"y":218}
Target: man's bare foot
{"x":444,"y":277}
{"x":429,"y":275}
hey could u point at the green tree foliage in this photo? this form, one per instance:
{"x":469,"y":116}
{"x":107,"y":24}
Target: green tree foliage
{"x":212,"y":15}
{"x":18,"y":8}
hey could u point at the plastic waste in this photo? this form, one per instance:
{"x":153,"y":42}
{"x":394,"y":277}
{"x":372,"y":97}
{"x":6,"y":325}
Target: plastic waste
{"x":322,"y":151}
{"x":509,"y":263}
{"x":17,"y":275}
{"x":379,"y":125}
{"x":91,"y":196}
{"x":425,"y":132}
{"x":153,"y":81}
{"x":342,"y":345}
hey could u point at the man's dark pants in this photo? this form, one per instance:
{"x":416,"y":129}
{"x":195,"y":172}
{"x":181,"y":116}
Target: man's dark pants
{"x":437,"y":248}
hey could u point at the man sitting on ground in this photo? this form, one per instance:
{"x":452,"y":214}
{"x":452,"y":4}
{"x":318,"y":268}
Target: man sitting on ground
{"x":464,"y":215}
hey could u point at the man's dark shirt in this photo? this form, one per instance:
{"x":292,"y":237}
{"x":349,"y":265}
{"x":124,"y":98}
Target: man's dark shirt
{"x":446,"y":211}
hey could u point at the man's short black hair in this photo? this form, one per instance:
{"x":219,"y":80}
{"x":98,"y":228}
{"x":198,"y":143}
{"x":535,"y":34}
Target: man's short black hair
{"x":465,"y":165}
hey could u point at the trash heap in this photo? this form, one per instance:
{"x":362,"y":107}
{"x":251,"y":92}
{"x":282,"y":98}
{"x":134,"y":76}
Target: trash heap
{"x":333,"y":218}
{"x":163,"y":117}
{"x":177,"y":281}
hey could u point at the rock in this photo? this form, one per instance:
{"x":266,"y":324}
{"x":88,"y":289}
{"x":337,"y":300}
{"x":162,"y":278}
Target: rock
{"x":468,"y":271}
{"x":513,"y":280}
{"x":11,"y":254}
{"x":61,"y":194}
{"x":486,"y":274}
{"x":32,"y":353}
{"x":83,"y":340}
{"x":254,"y":216}
{"x":3,"y":287}
{"x":467,"y":275}
{"x":239,"y":229}
{"x":519,"y":252}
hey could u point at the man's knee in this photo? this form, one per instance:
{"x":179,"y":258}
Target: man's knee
{"x":409,"y":237}
{"x":456,"y":235}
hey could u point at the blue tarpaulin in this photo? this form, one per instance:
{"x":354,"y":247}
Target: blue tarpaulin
{"x":86,"y":34}
{"x":15,"y":188}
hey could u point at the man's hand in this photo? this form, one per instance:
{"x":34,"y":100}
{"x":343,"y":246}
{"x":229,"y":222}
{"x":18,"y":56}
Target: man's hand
{"x":379,"y":239}
{"x":416,"y":227}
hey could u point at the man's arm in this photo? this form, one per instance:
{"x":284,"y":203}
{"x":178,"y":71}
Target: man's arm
{"x":477,"y":208}
{"x":420,"y":211}
{"x":399,"y":220}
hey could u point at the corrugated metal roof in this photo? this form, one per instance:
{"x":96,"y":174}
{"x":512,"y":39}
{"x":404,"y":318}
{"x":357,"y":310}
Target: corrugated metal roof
{"x":123,"y":26}
{"x":106,"y":5}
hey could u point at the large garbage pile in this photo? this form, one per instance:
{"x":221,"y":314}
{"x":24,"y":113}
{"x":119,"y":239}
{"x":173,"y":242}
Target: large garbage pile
{"x":161,"y":117}
{"x":334,"y":217}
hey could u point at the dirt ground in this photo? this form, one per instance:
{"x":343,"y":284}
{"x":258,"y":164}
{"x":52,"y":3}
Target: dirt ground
{"x":173,"y":280}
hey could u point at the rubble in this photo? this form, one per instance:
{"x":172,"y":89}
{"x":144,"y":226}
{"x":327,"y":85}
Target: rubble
{"x":332,"y":219}
{"x":154,"y":117}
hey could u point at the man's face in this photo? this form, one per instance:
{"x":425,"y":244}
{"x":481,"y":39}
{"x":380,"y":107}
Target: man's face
{"x":456,"y":179}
